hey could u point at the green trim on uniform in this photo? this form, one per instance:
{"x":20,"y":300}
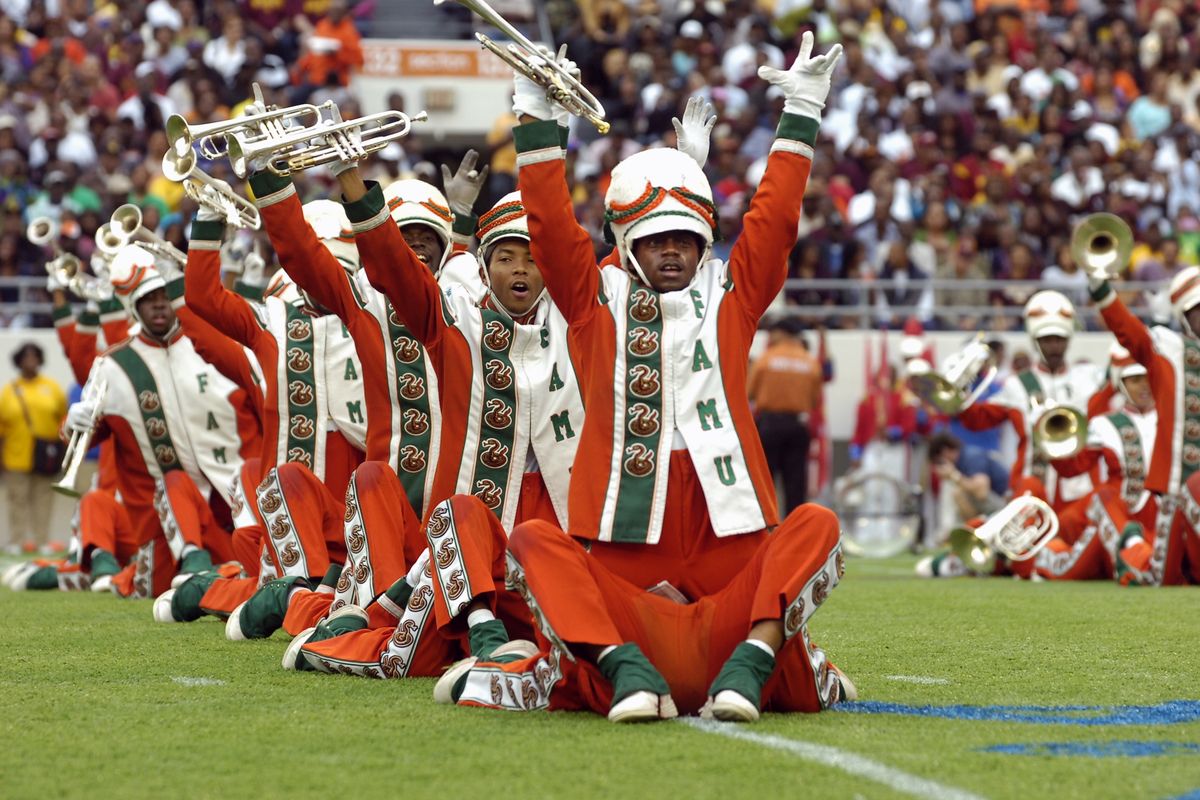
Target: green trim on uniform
{"x":266,"y":183}
{"x":367,"y":206}
{"x":111,"y":306}
{"x":1033,"y":386}
{"x":248,"y":290}
{"x":564,"y":136}
{"x":175,"y":288}
{"x":149,"y":401}
{"x":1134,"y":479}
{"x":62,"y":313}
{"x":540,"y":135}
{"x":465,"y":225}
{"x":798,"y":128}
{"x":641,"y":430}
{"x":416,"y":417}
{"x":301,"y":423}
{"x":207,"y":231}
{"x":497,"y":430}
{"x":88,"y":319}
{"x":1190,"y":462}
{"x":1100,"y":292}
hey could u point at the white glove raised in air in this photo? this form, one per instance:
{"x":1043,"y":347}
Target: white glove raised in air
{"x":806,"y":85}
{"x":213,"y":192}
{"x":530,"y":99}
{"x":79,"y":416}
{"x":692,"y":134}
{"x":463,"y":187}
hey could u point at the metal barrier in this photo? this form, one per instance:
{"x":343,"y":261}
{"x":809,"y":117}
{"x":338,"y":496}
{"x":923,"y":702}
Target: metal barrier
{"x":862,"y":311}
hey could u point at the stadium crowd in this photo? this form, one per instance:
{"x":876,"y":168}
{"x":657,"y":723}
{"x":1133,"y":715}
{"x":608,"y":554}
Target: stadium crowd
{"x":961,"y":137}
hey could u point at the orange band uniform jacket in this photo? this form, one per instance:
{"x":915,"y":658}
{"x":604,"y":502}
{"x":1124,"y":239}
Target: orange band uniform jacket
{"x":653,"y":364}
{"x":507,"y":388}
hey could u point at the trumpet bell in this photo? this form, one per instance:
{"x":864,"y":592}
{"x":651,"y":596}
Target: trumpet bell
{"x":42,"y":231}
{"x":976,"y":555}
{"x":1101,"y":245}
{"x":108,"y":241}
{"x":126,"y":220}
{"x":937,"y":392}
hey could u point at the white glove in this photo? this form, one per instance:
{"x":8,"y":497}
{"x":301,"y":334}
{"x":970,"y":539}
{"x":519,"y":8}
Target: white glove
{"x":79,"y":416}
{"x":254,"y":269}
{"x":531,"y":99}
{"x":692,"y":134}
{"x":806,"y":85}
{"x":213,"y":193}
{"x":463,"y":187}
{"x":350,"y":144}
{"x":53,"y":284}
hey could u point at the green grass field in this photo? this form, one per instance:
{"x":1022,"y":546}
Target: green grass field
{"x":97,"y":700}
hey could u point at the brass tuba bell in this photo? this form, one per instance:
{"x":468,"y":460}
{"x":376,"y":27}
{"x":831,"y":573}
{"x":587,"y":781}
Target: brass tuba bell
{"x":1059,"y":431}
{"x":1101,"y":244}
{"x":1017,"y":532}
{"x":950,"y":391}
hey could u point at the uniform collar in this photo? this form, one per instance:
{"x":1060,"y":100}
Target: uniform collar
{"x":175,"y":334}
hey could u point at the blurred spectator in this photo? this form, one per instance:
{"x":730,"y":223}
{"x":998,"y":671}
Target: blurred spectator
{"x":32,"y":408}
{"x":333,"y":50}
{"x":977,"y":482}
{"x":785,"y":386}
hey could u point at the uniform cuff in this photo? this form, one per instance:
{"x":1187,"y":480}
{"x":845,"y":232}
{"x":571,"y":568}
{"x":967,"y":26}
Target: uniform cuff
{"x":1100,"y":292}
{"x":62,"y":314}
{"x":465,"y":225}
{"x":206,"y":235}
{"x":270,"y":188}
{"x":368,"y":211}
{"x":798,"y":128}
{"x":111,"y":306}
{"x":175,"y":289}
{"x":249,"y":291}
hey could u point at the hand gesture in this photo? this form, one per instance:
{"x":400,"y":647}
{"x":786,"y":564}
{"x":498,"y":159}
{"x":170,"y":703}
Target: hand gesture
{"x":692,"y":134}
{"x":463,"y":187}
{"x":806,"y":85}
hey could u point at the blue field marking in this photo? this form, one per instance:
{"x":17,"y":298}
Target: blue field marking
{"x":1169,"y":713}
{"x":1116,"y":749}
{"x":1194,"y":794}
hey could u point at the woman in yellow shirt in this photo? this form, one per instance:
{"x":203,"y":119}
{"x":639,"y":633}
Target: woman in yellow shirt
{"x":32,"y":406}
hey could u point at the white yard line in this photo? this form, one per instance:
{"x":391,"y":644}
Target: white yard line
{"x":851,"y":763}
{"x":184,"y":680}
{"x":924,"y":680}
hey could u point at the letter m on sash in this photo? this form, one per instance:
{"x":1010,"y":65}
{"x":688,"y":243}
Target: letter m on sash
{"x":562,"y":426}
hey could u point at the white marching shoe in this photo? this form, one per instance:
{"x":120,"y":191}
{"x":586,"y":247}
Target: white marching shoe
{"x":643,"y":707}
{"x":162,"y":607}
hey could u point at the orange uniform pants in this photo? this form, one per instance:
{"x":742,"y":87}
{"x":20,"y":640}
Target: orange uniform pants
{"x":107,"y":524}
{"x":579,"y":600}
{"x":187,"y":518}
{"x":1086,"y":546}
{"x":384,"y":539}
{"x":467,"y":545}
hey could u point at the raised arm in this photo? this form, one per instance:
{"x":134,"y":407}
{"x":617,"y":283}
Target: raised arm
{"x":758,"y":263}
{"x":1130,"y":331}
{"x":391,"y":265}
{"x":300,"y":252}
{"x":561,"y":248}
{"x":208,"y":297}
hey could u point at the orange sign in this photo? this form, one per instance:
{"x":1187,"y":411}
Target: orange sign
{"x":392,"y":58}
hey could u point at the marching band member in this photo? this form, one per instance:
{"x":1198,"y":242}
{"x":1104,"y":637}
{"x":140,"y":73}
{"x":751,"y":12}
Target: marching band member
{"x":315,"y":420}
{"x":670,"y":485}
{"x":383,"y":536}
{"x":510,"y":405}
{"x":1172,"y":362}
{"x":176,"y":423}
{"x":1050,"y":323}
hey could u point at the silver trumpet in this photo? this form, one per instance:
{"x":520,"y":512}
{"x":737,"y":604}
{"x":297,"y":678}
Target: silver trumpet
{"x":77,"y":447}
{"x":238,"y":211}
{"x":125,"y":227}
{"x":950,"y":391}
{"x":70,"y":273}
{"x":524,"y":56}
{"x":1018,"y":532}
{"x":258,"y":121}
{"x":331,"y":140}
{"x":1059,"y":431}
{"x":1101,"y":245}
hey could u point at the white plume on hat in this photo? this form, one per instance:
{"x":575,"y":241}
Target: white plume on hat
{"x":413,"y":202}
